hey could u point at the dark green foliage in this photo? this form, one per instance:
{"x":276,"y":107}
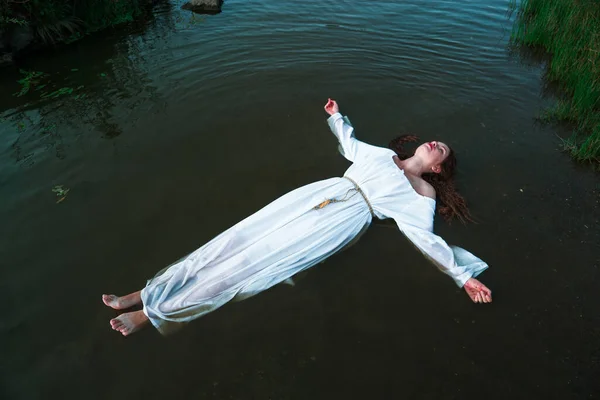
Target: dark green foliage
{"x":53,"y":21}
{"x":570,"y":31}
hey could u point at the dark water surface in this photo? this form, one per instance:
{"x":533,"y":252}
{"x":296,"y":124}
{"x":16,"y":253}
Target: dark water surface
{"x":189,"y":124}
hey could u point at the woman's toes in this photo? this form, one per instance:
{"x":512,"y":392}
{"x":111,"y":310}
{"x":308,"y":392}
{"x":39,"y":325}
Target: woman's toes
{"x":116,"y":323}
{"x":110,"y":300}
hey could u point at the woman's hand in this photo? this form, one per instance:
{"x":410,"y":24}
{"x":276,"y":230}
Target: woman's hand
{"x":477,"y":291}
{"x":331,"y":107}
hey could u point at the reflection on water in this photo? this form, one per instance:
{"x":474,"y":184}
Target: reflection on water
{"x":180,"y":58}
{"x":181,"y":55}
{"x":101,"y":76}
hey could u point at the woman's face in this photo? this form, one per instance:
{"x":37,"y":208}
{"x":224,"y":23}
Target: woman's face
{"x":433,"y":154}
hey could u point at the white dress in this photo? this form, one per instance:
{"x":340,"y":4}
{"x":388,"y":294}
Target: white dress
{"x":290,"y":235}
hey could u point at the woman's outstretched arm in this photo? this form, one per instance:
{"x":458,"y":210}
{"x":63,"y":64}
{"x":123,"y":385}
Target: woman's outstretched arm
{"x":454,"y":261}
{"x":350,"y":147}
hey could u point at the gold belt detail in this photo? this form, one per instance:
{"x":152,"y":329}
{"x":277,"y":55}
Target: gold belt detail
{"x":356,"y":189}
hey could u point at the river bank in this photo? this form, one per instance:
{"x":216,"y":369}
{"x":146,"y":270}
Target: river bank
{"x":570,"y":32}
{"x":30,"y":25}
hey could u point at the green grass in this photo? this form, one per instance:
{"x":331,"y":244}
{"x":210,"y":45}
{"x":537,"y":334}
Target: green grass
{"x":570,"y":31}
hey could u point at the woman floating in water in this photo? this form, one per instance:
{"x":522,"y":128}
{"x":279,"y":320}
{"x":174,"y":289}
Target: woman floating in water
{"x":309,"y":224}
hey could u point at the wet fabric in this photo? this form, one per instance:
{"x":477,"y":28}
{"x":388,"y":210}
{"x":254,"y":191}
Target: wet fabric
{"x":296,"y":232}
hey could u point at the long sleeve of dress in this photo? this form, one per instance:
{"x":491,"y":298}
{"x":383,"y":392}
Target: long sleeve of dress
{"x":350,"y":147}
{"x":452,"y":260}
{"x":417,"y":226}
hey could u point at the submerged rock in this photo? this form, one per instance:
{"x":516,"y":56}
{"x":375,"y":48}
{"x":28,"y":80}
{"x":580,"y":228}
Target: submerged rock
{"x":204,"y":6}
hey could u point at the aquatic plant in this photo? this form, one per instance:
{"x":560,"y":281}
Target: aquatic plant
{"x":57,"y":93}
{"x":30,"y":80}
{"x":570,"y":31}
{"x":60,"y":193}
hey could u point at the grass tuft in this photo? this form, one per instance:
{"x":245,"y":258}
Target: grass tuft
{"x":570,"y":31}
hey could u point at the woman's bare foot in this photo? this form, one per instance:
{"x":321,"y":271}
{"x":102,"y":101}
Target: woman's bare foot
{"x":129,"y":323}
{"x":477,"y":291}
{"x":123,"y":302}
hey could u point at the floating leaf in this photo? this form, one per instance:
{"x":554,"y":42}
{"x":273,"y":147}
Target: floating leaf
{"x":60,"y":192}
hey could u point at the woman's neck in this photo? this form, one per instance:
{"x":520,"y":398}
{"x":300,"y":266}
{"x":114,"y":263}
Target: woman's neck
{"x":412,"y":165}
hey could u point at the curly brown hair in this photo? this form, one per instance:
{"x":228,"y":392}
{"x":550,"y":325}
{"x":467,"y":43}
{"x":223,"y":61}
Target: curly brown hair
{"x":450,"y":204}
